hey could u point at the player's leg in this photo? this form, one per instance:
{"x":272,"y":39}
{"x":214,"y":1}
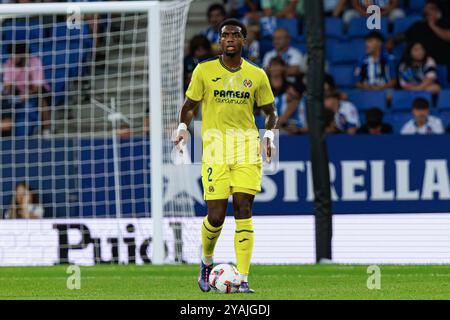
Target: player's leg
{"x":216,"y":187}
{"x":211,"y":229}
{"x":244,"y":234}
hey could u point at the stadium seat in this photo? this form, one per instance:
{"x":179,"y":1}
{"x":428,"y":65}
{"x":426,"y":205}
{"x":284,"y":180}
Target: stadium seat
{"x":398,"y":120}
{"x":299,"y":45}
{"x":340,"y":53}
{"x":19,"y":30}
{"x":399,"y":51}
{"x":265,"y":46}
{"x":343,"y":75}
{"x":443,"y":102}
{"x":402,"y":24}
{"x":333,"y":28}
{"x":291,"y":25}
{"x":444,"y":115}
{"x":416,"y":6}
{"x":357,"y":27}
{"x":366,"y":99}
{"x":329,"y":47}
{"x":77,"y":38}
{"x":402,"y":100}
{"x":442,"y":73}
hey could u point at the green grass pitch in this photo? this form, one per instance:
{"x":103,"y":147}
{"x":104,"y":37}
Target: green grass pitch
{"x":271,"y":282}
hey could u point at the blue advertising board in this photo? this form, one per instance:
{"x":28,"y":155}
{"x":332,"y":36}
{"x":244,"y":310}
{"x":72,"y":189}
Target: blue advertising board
{"x":369,"y":174}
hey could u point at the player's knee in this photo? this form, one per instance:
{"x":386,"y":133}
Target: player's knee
{"x":215,"y":220}
{"x":244,"y":210}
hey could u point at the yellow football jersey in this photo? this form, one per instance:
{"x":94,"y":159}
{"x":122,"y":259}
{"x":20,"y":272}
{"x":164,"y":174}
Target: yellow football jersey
{"x":228,"y":97}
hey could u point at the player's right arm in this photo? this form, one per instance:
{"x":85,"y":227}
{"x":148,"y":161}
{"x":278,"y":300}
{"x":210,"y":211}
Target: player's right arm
{"x":186,"y":115}
{"x":194,"y":95}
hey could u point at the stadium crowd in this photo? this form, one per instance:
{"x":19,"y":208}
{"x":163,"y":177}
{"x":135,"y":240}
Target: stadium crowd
{"x":376,"y":82}
{"x":389,"y":80}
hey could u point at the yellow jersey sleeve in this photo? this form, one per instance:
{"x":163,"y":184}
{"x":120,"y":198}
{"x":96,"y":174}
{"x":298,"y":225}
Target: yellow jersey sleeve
{"x":196,"y":90}
{"x":264,"y":94}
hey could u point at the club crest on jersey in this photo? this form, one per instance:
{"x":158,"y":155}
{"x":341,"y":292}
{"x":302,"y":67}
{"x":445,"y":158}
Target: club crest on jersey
{"x":248,"y":83}
{"x":211,"y":189}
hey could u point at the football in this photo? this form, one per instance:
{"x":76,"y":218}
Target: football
{"x":224,"y":278}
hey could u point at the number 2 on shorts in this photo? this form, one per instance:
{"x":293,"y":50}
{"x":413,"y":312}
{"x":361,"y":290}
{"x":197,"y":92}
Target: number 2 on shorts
{"x":209,"y":174}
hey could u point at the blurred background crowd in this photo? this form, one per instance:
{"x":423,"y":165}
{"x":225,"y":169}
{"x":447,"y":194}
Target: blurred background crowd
{"x":389,"y":80}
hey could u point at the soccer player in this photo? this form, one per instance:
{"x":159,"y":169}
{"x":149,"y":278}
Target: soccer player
{"x":228,"y":86}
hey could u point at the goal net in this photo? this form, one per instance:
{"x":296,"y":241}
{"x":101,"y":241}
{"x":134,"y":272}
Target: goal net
{"x":90,"y":94}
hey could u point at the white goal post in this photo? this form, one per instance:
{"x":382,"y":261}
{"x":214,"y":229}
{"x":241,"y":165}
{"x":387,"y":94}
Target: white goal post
{"x":158,"y":13}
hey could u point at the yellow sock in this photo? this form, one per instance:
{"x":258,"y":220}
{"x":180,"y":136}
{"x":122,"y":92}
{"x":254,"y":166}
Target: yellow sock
{"x":243,"y":244}
{"x":210,"y":235}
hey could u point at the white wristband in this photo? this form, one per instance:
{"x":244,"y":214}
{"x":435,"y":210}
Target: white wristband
{"x":181,"y":127}
{"x":269,"y":134}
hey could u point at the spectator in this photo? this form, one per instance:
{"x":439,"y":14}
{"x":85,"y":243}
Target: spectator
{"x":252,"y":48}
{"x":199,"y":50}
{"x":298,"y":123}
{"x":282,"y":8}
{"x":23,"y":75}
{"x":276,"y":70}
{"x":376,"y":70}
{"x":330,"y":123}
{"x":124,"y":132}
{"x":374,"y":123}
{"x":330,"y":85}
{"x":216,"y":15}
{"x":346,"y":116}
{"x":423,"y":122}
{"x":334,"y":8}
{"x":295,"y":61}
{"x":418,"y":70}
{"x":25,"y":204}
{"x":389,"y":8}
{"x":433,"y":32}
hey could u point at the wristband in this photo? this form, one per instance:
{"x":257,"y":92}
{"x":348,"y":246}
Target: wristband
{"x":182,"y":126}
{"x":269,"y":134}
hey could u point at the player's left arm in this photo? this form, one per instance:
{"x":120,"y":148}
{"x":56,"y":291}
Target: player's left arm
{"x":266,"y":101}
{"x":271,"y":123}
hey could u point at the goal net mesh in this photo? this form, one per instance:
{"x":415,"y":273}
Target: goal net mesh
{"x":76,"y":132}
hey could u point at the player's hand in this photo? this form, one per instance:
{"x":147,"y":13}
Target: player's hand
{"x":181,"y":137}
{"x":268,"y":145}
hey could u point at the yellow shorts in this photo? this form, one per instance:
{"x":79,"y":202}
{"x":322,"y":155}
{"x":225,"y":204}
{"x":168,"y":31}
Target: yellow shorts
{"x":222,"y":180}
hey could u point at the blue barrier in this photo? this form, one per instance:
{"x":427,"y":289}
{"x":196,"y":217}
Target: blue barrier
{"x":370,"y":174}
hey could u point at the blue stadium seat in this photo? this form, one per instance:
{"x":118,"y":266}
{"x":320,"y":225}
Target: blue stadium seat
{"x":366,"y":99}
{"x":399,"y":51}
{"x":357,"y":27}
{"x":290,"y":24}
{"x":77,"y":38}
{"x":443,"y":102}
{"x":402,"y":24}
{"x":402,"y":100}
{"x":416,"y":6}
{"x":20,"y":30}
{"x":333,"y":28}
{"x":340,"y":53}
{"x":265,"y":46}
{"x":299,"y":45}
{"x":444,"y":115}
{"x":442,"y":73}
{"x":343,"y":75}
{"x":329,"y":47}
{"x":398,"y":120}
